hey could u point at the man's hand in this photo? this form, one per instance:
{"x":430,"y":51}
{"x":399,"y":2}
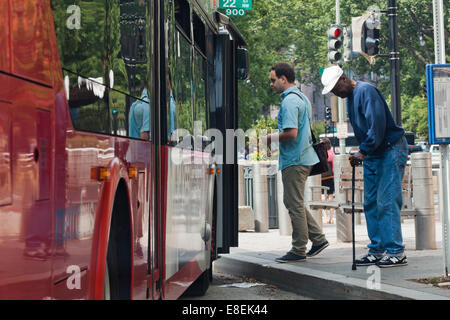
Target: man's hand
{"x":357,"y":159}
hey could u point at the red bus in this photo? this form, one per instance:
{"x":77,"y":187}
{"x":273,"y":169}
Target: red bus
{"x":88,"y":208}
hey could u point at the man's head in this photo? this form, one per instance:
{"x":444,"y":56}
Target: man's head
{"x":282,"y":76}
{"x":334,"y":80}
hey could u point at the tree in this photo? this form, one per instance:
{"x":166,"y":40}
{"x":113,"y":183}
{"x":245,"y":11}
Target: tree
{"x":296,"y":32}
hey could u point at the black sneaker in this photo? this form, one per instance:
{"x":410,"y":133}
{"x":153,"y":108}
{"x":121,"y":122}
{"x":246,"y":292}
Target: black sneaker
{"x":388,"y":262}
{"x":367,"y":260}
{"x":290,"y":257}
{"x":317,"y":249}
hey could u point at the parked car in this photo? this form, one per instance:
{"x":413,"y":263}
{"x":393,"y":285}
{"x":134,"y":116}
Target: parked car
{"x":425,"y":146}
{"x":414,"y":148}
{"x":435,"y":155}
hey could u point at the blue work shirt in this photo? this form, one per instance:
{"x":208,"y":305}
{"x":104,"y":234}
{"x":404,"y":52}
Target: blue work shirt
{"x":139,"y":118}
{"x":371,"y":119}
{"x":295,"y":112}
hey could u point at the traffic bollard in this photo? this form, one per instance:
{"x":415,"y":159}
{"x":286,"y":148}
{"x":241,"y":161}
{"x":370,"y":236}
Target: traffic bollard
{"x":422,"y":177}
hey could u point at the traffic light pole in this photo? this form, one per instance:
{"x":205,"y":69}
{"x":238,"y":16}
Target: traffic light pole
{"x":395,"y":62}
{"x":341,"y":108}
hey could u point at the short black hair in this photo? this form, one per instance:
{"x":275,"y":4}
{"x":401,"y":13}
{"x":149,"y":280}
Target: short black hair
{"x":284,"y":69}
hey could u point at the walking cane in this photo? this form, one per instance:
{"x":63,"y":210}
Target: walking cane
{"x":353,"y":216}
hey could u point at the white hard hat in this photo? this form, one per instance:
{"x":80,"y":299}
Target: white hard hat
{"x":330,"y":77}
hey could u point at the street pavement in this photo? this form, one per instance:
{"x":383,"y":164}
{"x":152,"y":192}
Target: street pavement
{"x":329,"y":275}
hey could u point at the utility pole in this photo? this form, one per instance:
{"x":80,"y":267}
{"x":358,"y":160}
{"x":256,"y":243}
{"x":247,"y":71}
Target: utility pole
{"x":395,"y":62}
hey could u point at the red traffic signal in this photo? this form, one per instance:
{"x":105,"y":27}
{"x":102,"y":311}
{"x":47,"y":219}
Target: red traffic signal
{"x":334,"y":43}
{"x":335,"y":32}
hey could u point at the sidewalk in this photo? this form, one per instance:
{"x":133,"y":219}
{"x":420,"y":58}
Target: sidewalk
{"x":329,"y":275}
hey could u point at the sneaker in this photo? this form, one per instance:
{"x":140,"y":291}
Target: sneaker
{"x":290,"y":257}
{"x":317,"y":249}
{"x":390,"y":261}
{"x":367,"y":260}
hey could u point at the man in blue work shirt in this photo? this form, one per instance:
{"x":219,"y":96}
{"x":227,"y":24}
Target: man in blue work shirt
{"x":384,"y":151}
{"x":296,"y":159}
{"x":139,"y":118}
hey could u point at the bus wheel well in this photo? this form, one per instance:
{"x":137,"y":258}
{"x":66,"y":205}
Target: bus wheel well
{"x":119,"y":247}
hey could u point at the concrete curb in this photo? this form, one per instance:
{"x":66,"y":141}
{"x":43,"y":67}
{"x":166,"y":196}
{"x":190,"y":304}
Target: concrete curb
{"x":313,"y":283}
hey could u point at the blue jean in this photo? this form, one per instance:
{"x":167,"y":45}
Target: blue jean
{"x":383,"y":175}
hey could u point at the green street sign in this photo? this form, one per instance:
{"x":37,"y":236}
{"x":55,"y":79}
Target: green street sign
{"x":237,"y":4}
{"x":235,"y":12}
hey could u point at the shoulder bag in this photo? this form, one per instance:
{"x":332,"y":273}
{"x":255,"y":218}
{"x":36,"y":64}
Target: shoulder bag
{"x":320,"y":149}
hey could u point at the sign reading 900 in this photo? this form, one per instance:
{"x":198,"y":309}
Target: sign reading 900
{"x":235,"y":4}
{"x":235,"y":12}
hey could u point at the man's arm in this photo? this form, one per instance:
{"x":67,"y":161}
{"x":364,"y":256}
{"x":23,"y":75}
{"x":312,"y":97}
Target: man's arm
{"x":287,"y":135}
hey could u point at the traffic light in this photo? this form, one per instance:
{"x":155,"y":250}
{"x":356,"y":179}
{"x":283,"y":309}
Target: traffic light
{"x":328,"y":113}
{"x":348,"y":47}
{"x":371,"y":36}
{"x":334,"y":43}
{"x":366,"y":35}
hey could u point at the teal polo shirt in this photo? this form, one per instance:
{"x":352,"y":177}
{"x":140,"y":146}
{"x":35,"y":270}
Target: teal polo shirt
{"x":296,"y":113}
{"x":139,"y":118}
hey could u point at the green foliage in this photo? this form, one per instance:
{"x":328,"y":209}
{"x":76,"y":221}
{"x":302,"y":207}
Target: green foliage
{"x":318,"y":128}
{"x":265,"y":123}
{"x":415,"y":115}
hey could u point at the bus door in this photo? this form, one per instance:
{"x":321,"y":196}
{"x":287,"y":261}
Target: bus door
{"x":225,"y":116}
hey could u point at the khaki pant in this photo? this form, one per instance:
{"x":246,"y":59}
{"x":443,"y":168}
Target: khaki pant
{"x":304,"y":226}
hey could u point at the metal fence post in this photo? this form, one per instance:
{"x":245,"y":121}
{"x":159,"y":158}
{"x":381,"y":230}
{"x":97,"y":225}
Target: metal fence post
{"x":343,"y":220}
{"x":248,"y":185}
{"x":272,"y":194}
{"x":423,"y":200}
{"x":314,"y":195}
{"x":260,"y":197}
{"x":241,"y":190}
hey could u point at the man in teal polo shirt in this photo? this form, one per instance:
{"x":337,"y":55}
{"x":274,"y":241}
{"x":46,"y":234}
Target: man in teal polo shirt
{"x":296,"y":159}
{"x":139,"y":118}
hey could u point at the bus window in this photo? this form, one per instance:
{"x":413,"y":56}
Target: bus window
{"x":30,"y":50}
{"x":200,"y":107}
{"x":200,"y":112}
{"x":182,"y":83}
{"x":199,"y":33}
{"x":104,"y":48}
{"x":182,"y":17}
{"x":4,"y":38}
